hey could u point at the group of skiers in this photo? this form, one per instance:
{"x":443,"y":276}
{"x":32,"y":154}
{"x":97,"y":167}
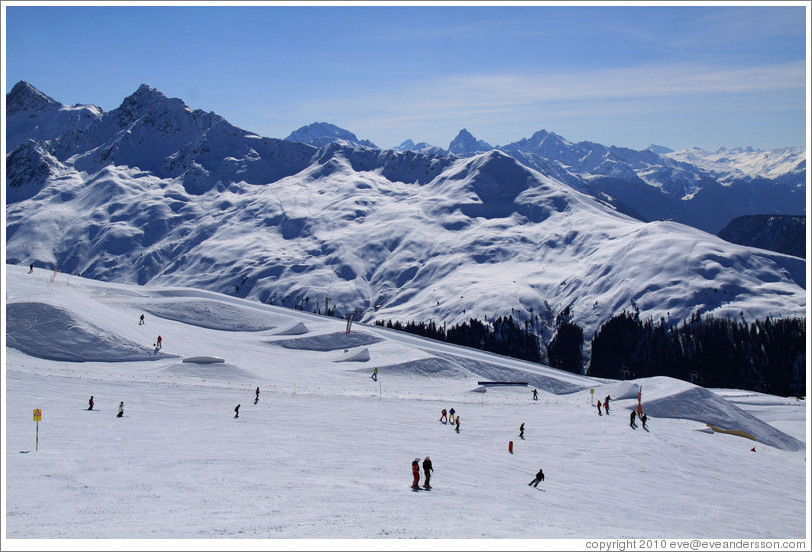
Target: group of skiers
{"x":605,"y":405}
{"x":158,"y":342}
{"x":632,"y":416}
{"x":120,"y":414}
{"x":427,"y":469}
{"x":643,"y":419}
{"x":450,"y":416}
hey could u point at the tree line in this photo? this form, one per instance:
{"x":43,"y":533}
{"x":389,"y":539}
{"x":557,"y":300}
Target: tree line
{"x":767,"y":356}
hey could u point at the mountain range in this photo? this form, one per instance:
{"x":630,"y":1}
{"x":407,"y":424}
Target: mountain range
{"x":153,"y":192}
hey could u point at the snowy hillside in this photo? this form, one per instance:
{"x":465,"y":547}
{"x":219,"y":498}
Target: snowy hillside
{"x":171,"y":196}
{"x":325,"y":451}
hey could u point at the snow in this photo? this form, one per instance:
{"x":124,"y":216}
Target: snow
{"x":325,"y":452}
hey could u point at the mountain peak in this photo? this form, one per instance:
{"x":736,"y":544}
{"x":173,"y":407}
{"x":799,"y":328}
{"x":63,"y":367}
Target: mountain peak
{"x":24,"y":97}
{"x":659,"y":149}
{"x":465,"y":144}
{"x":321,"y":135}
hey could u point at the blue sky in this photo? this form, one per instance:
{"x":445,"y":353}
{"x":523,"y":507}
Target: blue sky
{"x":679,"y":75}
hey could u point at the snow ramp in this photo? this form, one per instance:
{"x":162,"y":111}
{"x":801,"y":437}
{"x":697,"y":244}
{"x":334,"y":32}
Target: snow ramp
{"x":360,"y":354}
{"x":676,"y":399}
{"x":214,"y":315}
{"x":53,"y":333}
{"x":328,"y":342}
{"x":297,"y":329}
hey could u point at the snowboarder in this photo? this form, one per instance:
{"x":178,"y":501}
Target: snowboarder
{"x":416,"y":473}
{"x":521,"y":430}
{"x":90,"y":403}
{"x":120,"y":410}
{"x":458,"y":424}
{"x":599,"y":409}
{"x":443,"y":417}
{"x":535,"y":395}
{"x":606,"y":403}
{"x":451,"y":415}
{"x":427,"y":469}
{"x":375,"y":375}
{"x":141,"y":320}
{"x":237,"y":411}
{"x":31,"y":268}
{"x":643,"y":418}
{"x":631,"y":418}
{"x":538,"y":479}
{"x":159,"y":341}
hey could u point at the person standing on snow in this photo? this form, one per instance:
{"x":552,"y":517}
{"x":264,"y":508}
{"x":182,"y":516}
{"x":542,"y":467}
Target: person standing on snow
{"x":599,"y":409}
{"x":538,"y":479}
{"x":90,"y":403}
{"x":427,"y":469}
{"x":521,"y":430}
{"x":120,"y":410}
{"x":643,"y":418}
{"x":141,"y":320}
{"x":237,"y":411}
{"x":631,"y":418}
{"x":451,"y":415}
{"x":444,"y":417}
{"x":416,"y":473}
{"x":31,"y":268}
{"x":159,"y":341}
{"x":458,"y":424}
{"x":535,"y":395}
{"x":606,"y":403}
{"x":375,"y":375}
{"x":257,"y":399}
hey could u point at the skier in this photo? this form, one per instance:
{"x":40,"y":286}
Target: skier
{"x":416,"y":473}
{"x":458,"y":424}
{"x":631,"y":418}
{"x":535,"y":395}
{"x":256,"y":400}
{"x":538,"y":479}
{"x":31,"y":268}
{"x":120,"y":410}
{"x":427,"y":469}
{"x":451,"y":415}
{"x":644,"y":418}
{"x":599,"y":409}
{"x":141,"y":320}
{"x":375,"y":375}
{"x":606,"y":403}
{"x":521,"y":430}
{"x":159,"y":341}
{"x":90,"y":403}
{"x":237,"y":411}
{"x":444,"y":418}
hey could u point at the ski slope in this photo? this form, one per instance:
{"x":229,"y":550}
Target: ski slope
{"x":325,"y":453}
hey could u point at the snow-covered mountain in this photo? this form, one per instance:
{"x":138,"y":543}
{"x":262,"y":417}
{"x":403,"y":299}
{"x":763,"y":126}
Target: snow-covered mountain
{"x":33,"y":115}
{"x":155,"y":193}
{"x":323,"y":451}
{"x":730,"y":164}
{"x":652,"y":186}
{"x":420,"y":147}
{"x":465,"y":144}
{"x":322,"y":135}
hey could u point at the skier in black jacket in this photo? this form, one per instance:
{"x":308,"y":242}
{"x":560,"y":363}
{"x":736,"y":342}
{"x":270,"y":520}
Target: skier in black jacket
{"x":539,"y":478}
{"x":427,"y":469}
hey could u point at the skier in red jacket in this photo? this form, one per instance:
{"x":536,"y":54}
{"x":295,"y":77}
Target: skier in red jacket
{"x":416,"y":473}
